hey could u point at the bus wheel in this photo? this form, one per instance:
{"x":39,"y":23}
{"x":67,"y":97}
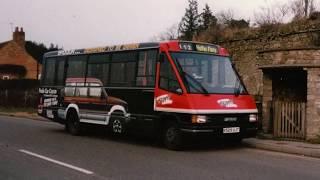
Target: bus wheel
{"x":117,"y":125}
{"x":173,"y":137}
{"x":73,"y":124}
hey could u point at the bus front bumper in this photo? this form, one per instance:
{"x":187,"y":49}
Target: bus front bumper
{"x":245,"y":132}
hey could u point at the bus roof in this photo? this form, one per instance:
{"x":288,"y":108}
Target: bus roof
{"x":173,"y":45}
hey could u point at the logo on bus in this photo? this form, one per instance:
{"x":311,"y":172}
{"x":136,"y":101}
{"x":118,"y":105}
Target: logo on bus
{"x":164,"y":99}
{"x":228,"y":103}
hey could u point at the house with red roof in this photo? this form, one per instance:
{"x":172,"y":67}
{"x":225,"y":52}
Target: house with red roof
{"x":15,"y":62}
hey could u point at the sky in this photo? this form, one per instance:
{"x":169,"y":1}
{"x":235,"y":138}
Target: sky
{"x":90,"y":23}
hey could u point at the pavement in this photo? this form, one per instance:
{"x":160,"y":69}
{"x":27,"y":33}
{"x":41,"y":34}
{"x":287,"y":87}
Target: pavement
{"x":290,"y":147}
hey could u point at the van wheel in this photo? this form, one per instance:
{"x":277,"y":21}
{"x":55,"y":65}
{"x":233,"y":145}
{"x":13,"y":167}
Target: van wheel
{"x":117,"y":124}
{"x":73,"y":124}
{"x":173,"y":137}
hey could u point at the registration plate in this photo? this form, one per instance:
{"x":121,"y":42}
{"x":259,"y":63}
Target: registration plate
{"x":231,"y":130}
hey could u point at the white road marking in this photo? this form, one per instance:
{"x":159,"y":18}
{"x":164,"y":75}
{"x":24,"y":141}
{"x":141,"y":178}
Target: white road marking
{"x":56,"y":162}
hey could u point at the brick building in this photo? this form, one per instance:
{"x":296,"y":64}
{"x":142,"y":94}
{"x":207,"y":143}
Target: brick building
{"x":15,"y":62}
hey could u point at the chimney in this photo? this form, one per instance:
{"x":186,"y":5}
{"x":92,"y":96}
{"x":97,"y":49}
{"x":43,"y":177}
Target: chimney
{"x":19,"y":36}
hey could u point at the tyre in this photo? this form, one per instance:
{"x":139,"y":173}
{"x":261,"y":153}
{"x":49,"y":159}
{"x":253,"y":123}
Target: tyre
{"x":73,"y":125}
{"x":117,"y":124}
{"x":173,"y":137}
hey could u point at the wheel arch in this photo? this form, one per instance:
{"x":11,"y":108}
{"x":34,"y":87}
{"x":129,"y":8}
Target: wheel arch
{"x":71,"y":107}
{"x":166,"y":118}
{"x":118,"y":108}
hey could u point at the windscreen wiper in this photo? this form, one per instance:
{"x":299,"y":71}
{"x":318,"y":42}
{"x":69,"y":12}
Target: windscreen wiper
{"x":203,"y":89}
{"x":237,"y":87}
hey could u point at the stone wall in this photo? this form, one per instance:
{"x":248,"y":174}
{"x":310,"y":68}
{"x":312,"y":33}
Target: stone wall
{"x":308,"y":56}
{"x":266,"y":103}
{"x":313,"y":103}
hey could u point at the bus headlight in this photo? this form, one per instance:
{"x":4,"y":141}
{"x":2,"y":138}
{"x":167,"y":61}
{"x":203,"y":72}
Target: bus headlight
{"x":253,"y":118}
{"x":199,"y":119}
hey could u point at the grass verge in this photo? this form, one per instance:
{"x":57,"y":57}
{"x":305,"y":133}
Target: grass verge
{"x":26,"y":112}
{"x":19,"y":109}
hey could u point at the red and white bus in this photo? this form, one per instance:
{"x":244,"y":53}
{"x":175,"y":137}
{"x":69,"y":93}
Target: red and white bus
{"x":169,"y":88}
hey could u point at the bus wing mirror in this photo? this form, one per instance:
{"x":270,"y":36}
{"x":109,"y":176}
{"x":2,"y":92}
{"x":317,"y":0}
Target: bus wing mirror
{"x":179,"y":91}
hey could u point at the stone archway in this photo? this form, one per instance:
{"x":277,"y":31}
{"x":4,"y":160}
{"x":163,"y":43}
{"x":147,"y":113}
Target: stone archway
{"x":307,"y":59}
{"x":285,"y":97}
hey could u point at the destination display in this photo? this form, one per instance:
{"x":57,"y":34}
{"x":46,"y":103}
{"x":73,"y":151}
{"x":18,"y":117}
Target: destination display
{"x":207,"y":48}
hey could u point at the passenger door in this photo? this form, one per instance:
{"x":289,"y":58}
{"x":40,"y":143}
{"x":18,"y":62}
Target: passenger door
{"x":169,"y":93}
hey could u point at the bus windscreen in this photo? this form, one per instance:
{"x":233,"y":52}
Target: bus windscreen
{"x":208,"y":74}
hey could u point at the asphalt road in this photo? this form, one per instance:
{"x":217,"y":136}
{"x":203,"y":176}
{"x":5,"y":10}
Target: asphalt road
{"x":32,"y":149}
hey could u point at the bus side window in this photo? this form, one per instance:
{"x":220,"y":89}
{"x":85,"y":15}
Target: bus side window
{"x":77,"y":66}
{"x":146,"y":68}
{"x":123,"y":65}
{"x":168,"y":80}
{"x":53,"y":74}
{"x":60,"y":71}
{"x":49,"y":71}
{"x":98,"y":67}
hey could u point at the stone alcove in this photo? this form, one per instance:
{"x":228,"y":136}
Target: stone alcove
{"x":291,"y":76}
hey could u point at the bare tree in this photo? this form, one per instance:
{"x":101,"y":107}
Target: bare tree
{"x":309,"y":7}
{"x":272,"y":14}
{"x":224,"y":17}
{"x":302,"y":8}
{"x":297,"y":9}
{"x":169,"y":34}
{"x":280,"y":13}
